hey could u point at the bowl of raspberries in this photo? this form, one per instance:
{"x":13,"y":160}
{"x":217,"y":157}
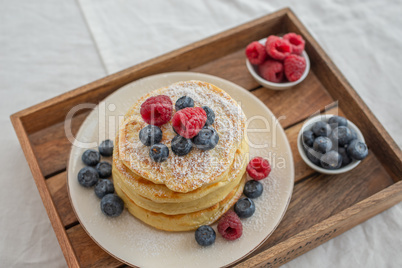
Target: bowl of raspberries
{"x":278,"y":62}
{"x":331,"y":144}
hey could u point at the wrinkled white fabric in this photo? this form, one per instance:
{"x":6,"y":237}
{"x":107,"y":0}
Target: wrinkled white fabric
{"x":48,"y":47}
{"x":45,"y":50}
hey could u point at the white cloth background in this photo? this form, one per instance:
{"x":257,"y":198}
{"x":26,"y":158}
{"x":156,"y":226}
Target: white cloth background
{"x":49,"y":47}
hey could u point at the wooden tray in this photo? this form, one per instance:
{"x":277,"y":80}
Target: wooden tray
{"x":322,"y":206}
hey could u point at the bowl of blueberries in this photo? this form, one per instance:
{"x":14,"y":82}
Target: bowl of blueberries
{"x":331,"y":144}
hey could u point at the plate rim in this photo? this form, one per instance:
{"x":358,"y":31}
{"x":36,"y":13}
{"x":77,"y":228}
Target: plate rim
{"x":291,"y":160}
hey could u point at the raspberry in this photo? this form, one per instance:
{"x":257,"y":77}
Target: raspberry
{"x":189,"y":121}
{"x":157,"y":110}
{"x":230,"y":226}
{"x":258,"y":168}
{"x":277,"y":48}
{"x":256,"y":53}
{"x":271,"y":70}
{"x":296,"y":41}
{"x":294,"y":67}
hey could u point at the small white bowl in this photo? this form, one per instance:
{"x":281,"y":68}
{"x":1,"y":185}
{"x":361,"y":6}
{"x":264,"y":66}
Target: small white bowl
{"x":253,"y":69}
{"x":307,"y":126}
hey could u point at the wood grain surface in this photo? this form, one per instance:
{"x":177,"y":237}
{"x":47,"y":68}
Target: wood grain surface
{"x":322,"y":206}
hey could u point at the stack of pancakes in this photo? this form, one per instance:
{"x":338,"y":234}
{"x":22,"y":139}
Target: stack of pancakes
{"x":183,"y":192}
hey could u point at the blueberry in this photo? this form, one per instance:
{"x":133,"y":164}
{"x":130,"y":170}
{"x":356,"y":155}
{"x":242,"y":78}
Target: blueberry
{"x":341,"y":135}
{"x":104,"y":187}
{"x":112,"y":205}
{"x":181,"y":146}
{"x":253,"y":189}
{"x":205,"y":235}
{"x":91,"y":157}
{"x":159,"y":152}
{"x":244,"y":207}
{"x":322,"y":144}
{"x":106,"y":148}
{"x":331,"y":160}
{"x":150,"y":135}
{"x":206,"y":139}
{"x":184,"y":102}
{"x":338,"y":121}
{"x":104,"y":169}
{"x":321,"y":128}
{"x":210,"y":115}
{"x":346,"y":160}
{"x":308,"y":138}
{"x":354,"y":134}
{"x":357,"y":150}
{"x":88,"y":177}
{"x":313,"y":156}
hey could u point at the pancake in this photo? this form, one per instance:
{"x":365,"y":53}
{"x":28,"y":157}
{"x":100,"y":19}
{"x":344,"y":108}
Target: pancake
{"x":198,"y":168}
{"x":182,"y":222}
{"x":212,"y":196}
{"x":183,"y":192}
{"x":180,"y":208}
{"x":159,"y":193}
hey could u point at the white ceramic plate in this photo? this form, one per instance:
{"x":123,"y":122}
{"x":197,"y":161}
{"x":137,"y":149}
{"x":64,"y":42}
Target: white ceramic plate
{"x":138,"y":244}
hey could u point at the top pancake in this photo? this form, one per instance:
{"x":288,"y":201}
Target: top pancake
{"x":159,"y":193}
{"x":198,"y":168}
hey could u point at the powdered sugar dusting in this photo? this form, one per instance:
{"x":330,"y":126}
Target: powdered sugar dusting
{"x":198,"y":168}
